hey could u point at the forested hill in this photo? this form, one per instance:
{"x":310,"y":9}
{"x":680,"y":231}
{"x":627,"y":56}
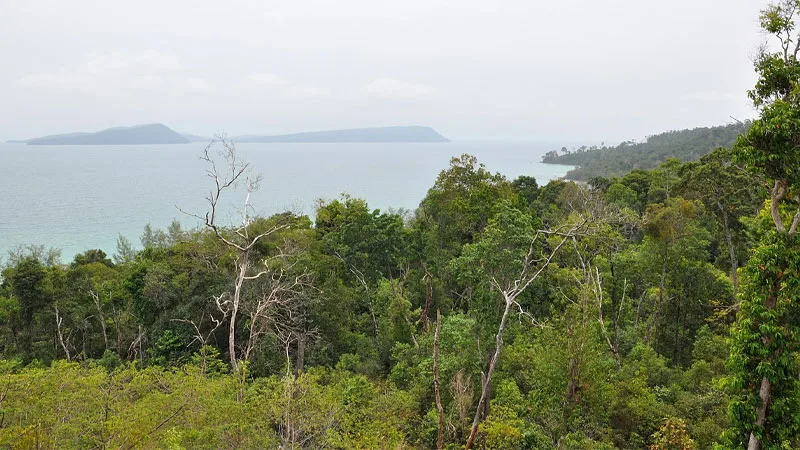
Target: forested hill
{"x":686,"y":145}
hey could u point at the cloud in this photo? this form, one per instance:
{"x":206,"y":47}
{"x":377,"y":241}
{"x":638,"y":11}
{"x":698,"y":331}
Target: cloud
{"x":107,"y":73}
{"x":63,"y":79}
{"x":264,"y":79}
{"x":147,"y":82}
{"x":390,"y":88}
{"x":198,"y":85}
{"x":712,"y":96}
{"x":275,"y":84}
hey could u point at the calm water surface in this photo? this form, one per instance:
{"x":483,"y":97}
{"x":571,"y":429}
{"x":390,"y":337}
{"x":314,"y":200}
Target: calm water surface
{"x":80,"y":197}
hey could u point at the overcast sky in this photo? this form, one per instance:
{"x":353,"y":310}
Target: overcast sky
{"x":558,"y":70}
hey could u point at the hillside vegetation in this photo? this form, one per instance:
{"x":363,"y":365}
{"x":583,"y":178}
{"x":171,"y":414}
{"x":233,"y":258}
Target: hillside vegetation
{"x":598,"y":316}
{"x":686,"y":145}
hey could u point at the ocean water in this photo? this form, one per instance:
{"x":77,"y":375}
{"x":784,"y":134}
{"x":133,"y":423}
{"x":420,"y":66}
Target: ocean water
{"x":79,"y":197}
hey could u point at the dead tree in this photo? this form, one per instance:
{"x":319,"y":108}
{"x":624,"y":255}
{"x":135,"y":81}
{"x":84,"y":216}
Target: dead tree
{"x":204,"y":338}
{"x":239,"y":240}
{"x":276,"y":307}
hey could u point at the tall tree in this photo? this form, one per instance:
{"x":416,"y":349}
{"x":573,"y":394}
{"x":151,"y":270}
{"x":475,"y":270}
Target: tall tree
{"x":227,"y":171}
{"x":729,"y":192}
{"x":511,"y":254}
{"x":765,"y":338}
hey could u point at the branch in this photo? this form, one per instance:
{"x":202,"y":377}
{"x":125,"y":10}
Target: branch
{"x":795,"y":223}
{"x":778,"y":193}
{"x":523,"y":284}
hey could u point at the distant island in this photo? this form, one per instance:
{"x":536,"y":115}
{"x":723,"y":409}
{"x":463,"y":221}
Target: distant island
{"x":154,"y":133}
{"x":161,"y":134}
{"x":382,"y":134}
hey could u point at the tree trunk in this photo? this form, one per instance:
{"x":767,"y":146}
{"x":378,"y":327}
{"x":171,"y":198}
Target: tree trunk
{"x":572,"y":385}
{"x":492,"y":365}
{"x":301,"y":353}
{"x":439,"y":408}
{"x":59,"y":319}
{"x":765,"y":391}
{"x":765,"y":394}
{"x":237,"y":295}
{"x":232,"y":342}
{"x":662,"y":285}
{"x":428,"y":279}
{"x":732,"y":255}
{"x":101,"y":317}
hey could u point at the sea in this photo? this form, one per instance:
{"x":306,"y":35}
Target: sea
{"x":76,"y":198}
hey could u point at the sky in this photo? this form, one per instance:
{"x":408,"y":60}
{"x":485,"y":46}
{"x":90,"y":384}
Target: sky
{"x":555,"y":70}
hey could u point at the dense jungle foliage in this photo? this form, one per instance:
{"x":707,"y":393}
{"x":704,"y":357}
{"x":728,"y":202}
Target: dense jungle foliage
{"x":605,"y":161}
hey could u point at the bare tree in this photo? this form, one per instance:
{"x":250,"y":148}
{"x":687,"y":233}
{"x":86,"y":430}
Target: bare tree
{"x":241,"y":240}
{"x":276,"y":307}
{"x":203,"y":338}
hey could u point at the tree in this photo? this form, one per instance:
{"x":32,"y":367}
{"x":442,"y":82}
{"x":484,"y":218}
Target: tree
{"x":763,"y":364}
{"x":125,"y":252}
{"x":672,"y":235}
{"x":280,"y":287}
{"x":29,"y":286}
{"x":463,"y":200}
{"x":664,"y":179}
{"x":729,"y":192}
{"x":370,"y":244}
{"x":511,"y":255}
{"x":92,"y":257}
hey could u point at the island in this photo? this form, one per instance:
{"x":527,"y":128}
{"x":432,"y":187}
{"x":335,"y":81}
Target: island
{"x":157,"y":133}
{"x":154,"y":133}
{"x":356,"y":135}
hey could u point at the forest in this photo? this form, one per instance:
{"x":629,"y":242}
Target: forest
{"x":653,"y":310}
{"x":605,"y":161}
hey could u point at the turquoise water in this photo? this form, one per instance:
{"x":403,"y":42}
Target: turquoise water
{"x":81,"y":197}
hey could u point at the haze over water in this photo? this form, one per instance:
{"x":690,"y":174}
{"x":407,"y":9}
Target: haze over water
{"x":81,"y":197}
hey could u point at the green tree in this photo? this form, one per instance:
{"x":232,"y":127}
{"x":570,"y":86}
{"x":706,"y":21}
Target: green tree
{"x":30,"y":287}
{"x":511,"y":254}
{"x":91,"y":257}
{"x":763,"y":362}
{"x":729,"y":192}
{"x":463,"y":200}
